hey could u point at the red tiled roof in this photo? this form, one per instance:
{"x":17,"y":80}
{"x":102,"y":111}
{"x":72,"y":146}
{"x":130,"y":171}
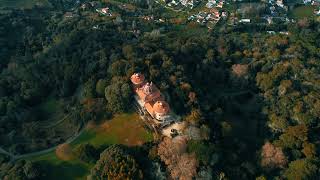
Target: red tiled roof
{"x":161,"y":107}
{"x":148,"y":92}
{"x":137,"y":78}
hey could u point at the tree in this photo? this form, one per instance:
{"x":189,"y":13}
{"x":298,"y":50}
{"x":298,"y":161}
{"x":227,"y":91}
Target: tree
{"x":31,"y":170}
{"x":118,"y":68}
{"x":186,"y":167}
{"x":277,"y":123}
{"x":204,"y":152}
{"x":272,"y":156}
{"x":170,"y":149}
{"x":118,"y":96}
{"x":87,"y":153}
{"x":116,"y":163}
{"x":309,"y":150}
{"x":21,"y":170}
{"x":180,"y":164}
{"x":302,"y":169}
{"x":194,"y":117}
{"x":294,"y":136}
{"x":88,"y":89}
{"x":226,"y":128}
{"x":240,"y":70}
{"x":100,"y":86}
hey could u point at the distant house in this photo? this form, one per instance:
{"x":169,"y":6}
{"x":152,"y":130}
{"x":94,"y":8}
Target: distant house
{"x":269,"y":20}
{"x":284,"y":32}
{"x":224,"y":14}
{"x":186,"y":2}
{"x":68,"y":15}
{"x":244,"y":20}
{"x":147,"y":18}
{"x":220,"y":4}
{"x":280,"y":3}
{"x":211,"y":3}
{"x":214,"y":11}
{"x":307,"y":1}
{"x":315,"y":3}
{"x":271,"y":32}
{"x":83,"y":6}
{"x":104,"y":11}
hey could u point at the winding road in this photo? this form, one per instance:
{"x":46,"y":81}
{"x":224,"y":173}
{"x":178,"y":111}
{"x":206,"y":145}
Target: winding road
{"x":14,"y":157}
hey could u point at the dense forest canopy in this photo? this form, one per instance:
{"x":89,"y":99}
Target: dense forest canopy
{"x":254,"y":96}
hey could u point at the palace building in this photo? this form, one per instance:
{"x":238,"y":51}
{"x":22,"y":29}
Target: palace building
{"x":150,"y":98}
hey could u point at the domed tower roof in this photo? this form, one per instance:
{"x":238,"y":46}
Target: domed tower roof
{"x":137,"y":78}
{"x":161,"y":107}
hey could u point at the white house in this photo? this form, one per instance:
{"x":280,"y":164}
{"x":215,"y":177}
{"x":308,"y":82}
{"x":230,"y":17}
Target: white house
{"x":245,"y":20}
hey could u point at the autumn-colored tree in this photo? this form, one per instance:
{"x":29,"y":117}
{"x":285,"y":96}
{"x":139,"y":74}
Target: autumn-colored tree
{"x":186,"y":167}
{"x":285,"y":86}
{"x":192,"y":97}
{"x":239,"y":70}
{"x":272,"y":156}
{"x":115,"y":164}
{"x":302,"y":169}
{"x":294,"y":136}
{"x":194,"y":117}
{"x":170,"y":149}
{"x":277,"y":123}
{"x":309,"y":150}
{"x":180,"y":164}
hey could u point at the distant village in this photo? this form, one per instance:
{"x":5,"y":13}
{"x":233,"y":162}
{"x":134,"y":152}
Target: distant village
{"x":206,"y":13}
{"x":217,"y":10}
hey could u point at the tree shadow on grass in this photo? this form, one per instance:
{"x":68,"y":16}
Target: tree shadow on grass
{"x":64,"y":170}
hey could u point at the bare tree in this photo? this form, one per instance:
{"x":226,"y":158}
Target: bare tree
{"x":186,"y":167}
{"x":180,"y":164}
{"x":170,"y":150}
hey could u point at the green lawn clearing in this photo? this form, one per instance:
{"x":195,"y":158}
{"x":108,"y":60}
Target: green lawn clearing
{"x":122,"y":129}
{"x":127,"y":129}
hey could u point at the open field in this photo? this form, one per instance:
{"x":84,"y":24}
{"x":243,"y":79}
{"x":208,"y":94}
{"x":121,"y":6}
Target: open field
{"x":122,"y":129}
{"x":22,"y":3}
{"x":302,"y":12}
